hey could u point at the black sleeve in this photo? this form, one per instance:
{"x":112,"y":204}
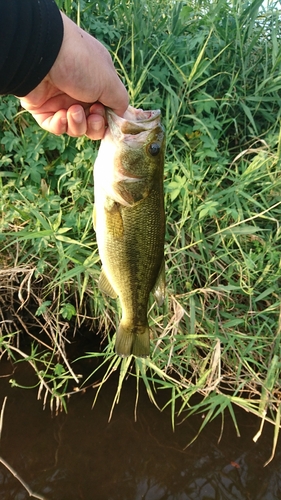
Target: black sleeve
{"x":31,"y":33}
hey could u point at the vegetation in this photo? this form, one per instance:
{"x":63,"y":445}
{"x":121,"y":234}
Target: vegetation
{"x":213,"y":67}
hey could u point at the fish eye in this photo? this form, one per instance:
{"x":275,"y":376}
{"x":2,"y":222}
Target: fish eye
{"x":154,"y":148}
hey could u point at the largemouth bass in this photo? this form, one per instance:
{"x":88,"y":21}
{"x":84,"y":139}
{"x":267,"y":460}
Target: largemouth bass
{"x":129,"y":220}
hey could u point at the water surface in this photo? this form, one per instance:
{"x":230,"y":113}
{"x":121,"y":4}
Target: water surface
{"x":80,"y":455}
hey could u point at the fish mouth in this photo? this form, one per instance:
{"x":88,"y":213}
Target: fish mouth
{"x":141,"y":116}
{"x":134,"y":122}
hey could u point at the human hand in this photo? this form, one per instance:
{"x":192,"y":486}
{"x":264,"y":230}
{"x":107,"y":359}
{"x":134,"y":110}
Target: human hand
{"x":71,"y":98}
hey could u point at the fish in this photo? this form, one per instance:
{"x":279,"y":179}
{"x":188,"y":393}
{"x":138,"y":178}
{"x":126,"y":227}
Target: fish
{"x":129,"y":220}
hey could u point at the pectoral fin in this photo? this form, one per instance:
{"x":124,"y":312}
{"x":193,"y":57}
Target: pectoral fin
{"x":114,"y":221}
{"x":105,"y":286}
{"x":159,"y":288}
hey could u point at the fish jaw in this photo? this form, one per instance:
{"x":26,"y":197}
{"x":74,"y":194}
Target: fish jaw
{"x":110,"y":174}
{"x":133,"y":122}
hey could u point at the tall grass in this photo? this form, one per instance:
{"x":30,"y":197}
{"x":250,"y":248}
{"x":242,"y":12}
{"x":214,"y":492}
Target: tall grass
{"x":214,"y":70}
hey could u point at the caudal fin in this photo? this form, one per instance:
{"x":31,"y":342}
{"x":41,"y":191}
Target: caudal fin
{"x":132,"y":340}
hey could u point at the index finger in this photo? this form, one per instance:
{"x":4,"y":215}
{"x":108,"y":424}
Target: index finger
{"x":115,"y":95}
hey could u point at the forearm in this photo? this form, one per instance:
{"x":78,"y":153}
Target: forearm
{"x":31,"y":37}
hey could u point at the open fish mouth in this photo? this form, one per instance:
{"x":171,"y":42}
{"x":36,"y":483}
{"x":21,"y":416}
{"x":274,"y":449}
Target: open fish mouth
{"x":139,"y":115}
{"x":135,"y":122}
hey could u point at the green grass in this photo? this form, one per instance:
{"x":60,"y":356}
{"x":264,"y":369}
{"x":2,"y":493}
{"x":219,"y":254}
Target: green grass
{"x":218,"y":85}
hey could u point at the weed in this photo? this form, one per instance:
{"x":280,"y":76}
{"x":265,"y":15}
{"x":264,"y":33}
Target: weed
{"x":214,"y":70}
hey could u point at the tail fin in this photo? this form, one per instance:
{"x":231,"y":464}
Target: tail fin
{"x":132,"y":340}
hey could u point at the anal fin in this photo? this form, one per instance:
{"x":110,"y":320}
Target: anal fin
{"x":105,"y":286}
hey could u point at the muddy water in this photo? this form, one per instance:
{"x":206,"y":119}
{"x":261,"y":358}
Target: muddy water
{"x":80,"y":455}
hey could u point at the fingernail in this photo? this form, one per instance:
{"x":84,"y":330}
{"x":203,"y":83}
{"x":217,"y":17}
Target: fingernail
{"x":63,"y":120}
{"x":78,"y":116}
{"x":96,"y":126}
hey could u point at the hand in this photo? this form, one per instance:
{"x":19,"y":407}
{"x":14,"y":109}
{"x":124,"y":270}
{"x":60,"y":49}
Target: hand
{"x":71,"y":98}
